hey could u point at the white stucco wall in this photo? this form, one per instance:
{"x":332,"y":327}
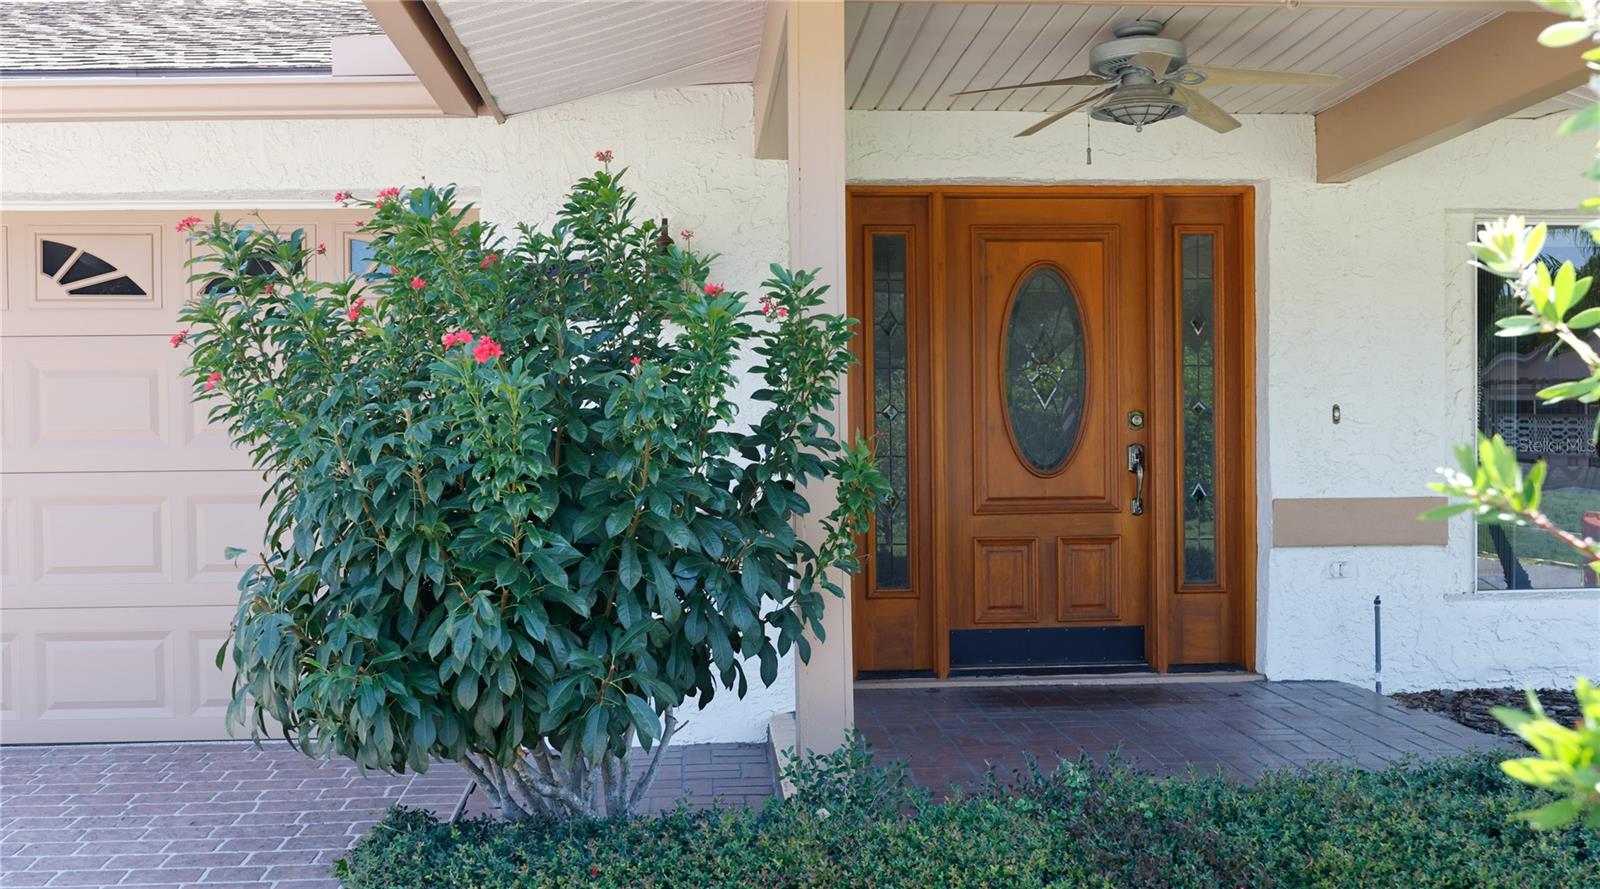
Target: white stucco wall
{"x":1355,"y":304}
{"x":688,"y":152}
{"x":1360,"y":303}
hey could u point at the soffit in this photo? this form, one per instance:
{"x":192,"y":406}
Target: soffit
{"x":537,"y":54}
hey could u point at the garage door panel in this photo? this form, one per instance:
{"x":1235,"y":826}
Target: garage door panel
{"x":89,"y":404}
{"x":129,"y":540}
{"x":118,"y":497}
{"x":114,"y":674}
{"x":77,"y":273}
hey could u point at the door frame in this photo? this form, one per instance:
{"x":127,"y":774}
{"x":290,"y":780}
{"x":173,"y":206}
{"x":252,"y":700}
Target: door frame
{"x":1163,"y":335}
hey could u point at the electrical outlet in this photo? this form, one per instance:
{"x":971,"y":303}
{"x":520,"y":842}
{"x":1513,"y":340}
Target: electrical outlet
{"x":1341,"y":569}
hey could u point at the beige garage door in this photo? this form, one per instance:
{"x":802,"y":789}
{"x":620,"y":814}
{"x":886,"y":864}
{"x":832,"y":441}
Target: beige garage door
{"x":118,"y":498}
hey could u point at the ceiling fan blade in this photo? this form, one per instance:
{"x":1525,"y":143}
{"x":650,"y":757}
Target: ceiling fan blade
{"x":1204,"y":111}
{"x":1256,"y":76}
{"x":1156,"y":63}
{"x":1080,"y":80}
{"x":1060,"y":114}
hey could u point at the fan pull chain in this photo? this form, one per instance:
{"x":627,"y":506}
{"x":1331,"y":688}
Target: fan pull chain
{"x":1088,"y":142}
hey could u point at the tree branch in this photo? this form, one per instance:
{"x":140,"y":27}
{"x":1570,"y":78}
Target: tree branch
{"x":649,"y":776}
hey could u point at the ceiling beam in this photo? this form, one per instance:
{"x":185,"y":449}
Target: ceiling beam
{"x":423,"y":44}
{"x":772,"y":85}
{"x":1491,"y":71}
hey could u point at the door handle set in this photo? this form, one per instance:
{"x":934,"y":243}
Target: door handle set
{"x":1136,"y":466}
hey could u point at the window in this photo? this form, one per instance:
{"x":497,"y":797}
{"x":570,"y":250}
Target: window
{"x":1511,"y":371}
{"x":892,"y":524}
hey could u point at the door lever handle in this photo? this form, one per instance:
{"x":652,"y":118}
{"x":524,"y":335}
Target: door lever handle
{"x":1136,"y":466}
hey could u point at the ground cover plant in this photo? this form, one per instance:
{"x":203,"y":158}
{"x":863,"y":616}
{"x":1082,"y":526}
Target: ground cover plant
{"x":517,"y":517}
{"x":1445,"y":823}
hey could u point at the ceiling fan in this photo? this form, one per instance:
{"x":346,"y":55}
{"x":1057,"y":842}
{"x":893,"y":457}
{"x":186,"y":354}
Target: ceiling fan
{"x":1148,"y":78}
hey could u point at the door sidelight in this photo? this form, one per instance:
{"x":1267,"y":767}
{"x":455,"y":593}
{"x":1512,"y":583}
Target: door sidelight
{"x":1136,"y":466}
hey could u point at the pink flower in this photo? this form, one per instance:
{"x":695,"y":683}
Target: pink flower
{"x":457,"y":337}
{"x":179,"y":337}
{"x":604,"y":156}
{"x":321,"y":249}
{"x":388,"y":194}
{"x":687,"y":234}
{"x":635,"y":361}
{"x":418,"y":283}
{"x":355,"y":309}
{"x":188,"y":223}
{"x":783,"y":312}
{"x":715,"y":290}
{"x":211,"y":381}
{"x":340,"y":197}
{"x":486,"y":349}
{"x":489,"y":260}
{"x":766,"y":306}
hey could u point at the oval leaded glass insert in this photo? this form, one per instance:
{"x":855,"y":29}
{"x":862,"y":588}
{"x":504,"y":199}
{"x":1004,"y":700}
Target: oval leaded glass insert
{"x":1044,"y":370}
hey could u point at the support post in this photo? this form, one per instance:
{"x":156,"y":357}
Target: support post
{"x":814,"y":74}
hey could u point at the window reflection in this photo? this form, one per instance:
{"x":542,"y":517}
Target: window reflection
{"x":1511,"y":371}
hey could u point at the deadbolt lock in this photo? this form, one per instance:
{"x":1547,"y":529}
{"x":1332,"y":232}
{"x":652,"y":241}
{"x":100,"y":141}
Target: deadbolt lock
{"x":1135,"y":419}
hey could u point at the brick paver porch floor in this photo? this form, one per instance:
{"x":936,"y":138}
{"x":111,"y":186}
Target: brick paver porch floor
{"x":951,"y":735}
{"x":229,"y":814}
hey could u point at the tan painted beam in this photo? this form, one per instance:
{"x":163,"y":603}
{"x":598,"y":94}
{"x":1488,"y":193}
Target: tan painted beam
{"x":1492,"y":71}
{"x":772,"y":85}
{"x":410,"y":24}
{"x":74,"y":99}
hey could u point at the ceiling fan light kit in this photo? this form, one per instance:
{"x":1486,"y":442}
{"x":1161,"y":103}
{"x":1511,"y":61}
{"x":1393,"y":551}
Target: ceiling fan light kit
{"x":1146,"y":78}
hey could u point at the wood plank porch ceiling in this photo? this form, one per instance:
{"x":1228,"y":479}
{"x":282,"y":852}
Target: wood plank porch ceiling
{"x":913,"y":56}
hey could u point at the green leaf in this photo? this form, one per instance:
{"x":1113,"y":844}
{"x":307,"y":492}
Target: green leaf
{"x":1587,"y":118}
{"x":644,"y":719}
{"x":1564,"y":34}
{"x":629,"y":571}
{"x":1557,"y":814}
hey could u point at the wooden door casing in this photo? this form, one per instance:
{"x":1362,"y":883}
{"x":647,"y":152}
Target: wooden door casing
{"x":909,"y":630}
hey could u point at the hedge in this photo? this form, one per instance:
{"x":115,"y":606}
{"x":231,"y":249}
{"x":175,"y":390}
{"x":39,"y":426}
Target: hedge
{"x":1443,"y":823}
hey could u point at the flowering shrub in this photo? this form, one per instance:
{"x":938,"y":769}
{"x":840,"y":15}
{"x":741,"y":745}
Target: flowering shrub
{"x":517,"y":518}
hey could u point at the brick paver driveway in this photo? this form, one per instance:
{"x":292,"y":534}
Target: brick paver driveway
{"x":951,"y":735}
{"x":230,"y":814}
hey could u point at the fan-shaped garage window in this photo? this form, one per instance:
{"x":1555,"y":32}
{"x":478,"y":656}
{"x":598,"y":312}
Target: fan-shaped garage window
{"x":1044,"y":370}
{"x":82,"y":273}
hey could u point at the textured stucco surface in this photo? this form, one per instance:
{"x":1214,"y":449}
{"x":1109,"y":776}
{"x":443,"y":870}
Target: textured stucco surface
{"x":1360,"y":303}
{"x":688,"y":154}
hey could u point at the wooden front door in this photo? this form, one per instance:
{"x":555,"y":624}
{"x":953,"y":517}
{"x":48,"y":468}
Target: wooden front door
{"x":1048,"y":353}
{"x":1058,"y":383}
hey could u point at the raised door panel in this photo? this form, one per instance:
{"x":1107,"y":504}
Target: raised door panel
{"x":127,"y":540}
{"x":1052,"y":368}
{"x":113,"y":674}
{"x":1005,"y":580}
{"x":1089,"y":578}
{"x":98,"y":403}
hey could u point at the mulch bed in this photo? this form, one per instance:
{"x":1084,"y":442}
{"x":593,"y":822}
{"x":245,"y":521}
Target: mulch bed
{"x":1470,"y":706}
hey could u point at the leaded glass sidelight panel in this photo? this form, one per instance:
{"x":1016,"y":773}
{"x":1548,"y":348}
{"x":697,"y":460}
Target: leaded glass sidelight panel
{"x":1198,"y":309}
{"x":890,"y":375}
{"x":1044,"y":371}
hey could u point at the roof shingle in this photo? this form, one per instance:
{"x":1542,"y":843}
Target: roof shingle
{"x":127,"y":37}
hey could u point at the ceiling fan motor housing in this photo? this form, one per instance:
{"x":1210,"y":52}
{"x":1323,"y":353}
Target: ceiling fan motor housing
{"x":1112,"y":58}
